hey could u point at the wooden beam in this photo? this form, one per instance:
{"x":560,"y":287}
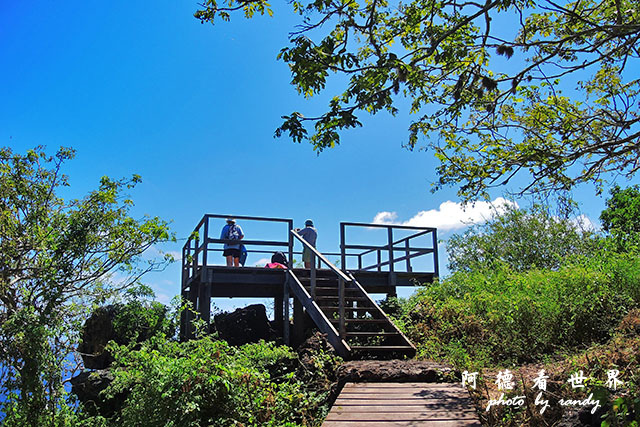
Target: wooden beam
{"x":324,"y":325}
{"x":298,"y":322}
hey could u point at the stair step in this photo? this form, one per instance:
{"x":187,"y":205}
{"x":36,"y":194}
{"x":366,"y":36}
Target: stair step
{"x":372,"y":334}
{"x":381,"y":348}
{"x":319,"y":279}
{"x":332,"y":288}
{"x":346,"y":308}
{"x":360,"y":321}
{"x":335,"y":297}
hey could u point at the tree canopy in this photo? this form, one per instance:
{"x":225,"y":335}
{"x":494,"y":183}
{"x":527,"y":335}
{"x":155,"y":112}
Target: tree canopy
{"x":521,"y":240}
{"x":621,"y":218}
{"x":57,"y":259}
{"x":496,"y":89}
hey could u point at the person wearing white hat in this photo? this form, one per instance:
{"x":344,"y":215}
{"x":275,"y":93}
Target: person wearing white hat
{"x":232,"y":252}
{"x":310,"y":234}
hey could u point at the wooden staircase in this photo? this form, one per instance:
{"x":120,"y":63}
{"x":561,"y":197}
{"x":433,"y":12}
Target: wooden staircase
{"x":366,"y":329}
{"x":355,"y":325}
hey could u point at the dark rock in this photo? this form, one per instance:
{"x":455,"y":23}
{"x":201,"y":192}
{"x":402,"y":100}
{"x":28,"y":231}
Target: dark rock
{"x":318,"y":358}
{"x":314,"y":344}
{"x":88,"y":386}
{"x":394,"y":371}
{"x":245,"y":325}
{"x":96,"y":333}
{"x":591,"y":419}
{"x":570,"y":418}
{"x":121,"y":323}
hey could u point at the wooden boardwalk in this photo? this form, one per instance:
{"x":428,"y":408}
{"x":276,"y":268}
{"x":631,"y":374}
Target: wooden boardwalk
{"x":402,"y":404}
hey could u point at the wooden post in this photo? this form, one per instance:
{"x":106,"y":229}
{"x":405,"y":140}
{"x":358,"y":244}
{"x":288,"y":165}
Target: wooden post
{"x":342,"y":330}
{"x":206,"y":242}
{"x":379,"y":259}
{"x":285,"y":330}
{"x":406,"y":246}
{"x":313,"y":276}
{"x":298,"y":322}
{"x":436,"y":270}
{"x":390,"y":235}
{"x":290,"y":251}
{"x":278,"y":310}
{"x":204,"y":304}
{"x":343,"y":254}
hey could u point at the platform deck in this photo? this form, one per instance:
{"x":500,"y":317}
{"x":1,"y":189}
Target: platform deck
{"x":261,"y":282}
{"x":402,"y":404}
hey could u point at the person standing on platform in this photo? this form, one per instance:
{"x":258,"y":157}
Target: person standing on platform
{"x":310,"y":234}
{"x":232,"y":252}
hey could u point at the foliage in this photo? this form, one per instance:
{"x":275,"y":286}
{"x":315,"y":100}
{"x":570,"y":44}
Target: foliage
{"x":621,"y":218}
{"x":56,"y":258}
{"x":496,"y":88}
{"x":519,"y":239}
{"x":392,"y":306}
{"x":502,"y":316}
{"x":138,"y":320}
{"x":209,"y":383}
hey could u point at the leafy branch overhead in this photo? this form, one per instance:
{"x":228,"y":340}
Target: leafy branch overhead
{"x":496,"y":89}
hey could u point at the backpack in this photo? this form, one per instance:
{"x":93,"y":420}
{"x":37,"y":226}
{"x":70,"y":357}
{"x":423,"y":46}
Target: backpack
{"x":233,"y":233}
{"x":243,"y":255}
{"x":279,"y":258}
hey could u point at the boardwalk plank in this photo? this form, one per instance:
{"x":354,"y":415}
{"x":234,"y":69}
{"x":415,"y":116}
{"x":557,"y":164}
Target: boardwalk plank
{"x":429,"y":423}
{"x":400,"y":408}
{"x":401,"y":416}
{"x":402,"y":404}
{"x":373,"y":386}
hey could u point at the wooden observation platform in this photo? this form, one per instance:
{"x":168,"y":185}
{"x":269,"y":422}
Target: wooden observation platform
{"x":336,"y":299}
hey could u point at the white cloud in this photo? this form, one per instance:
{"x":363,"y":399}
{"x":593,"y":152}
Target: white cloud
{"x":450,"y":215}
{"x":262,"y":262}
{"x":163,"y":298}
{"x":585,"y":223}
{"x":385,"y":217}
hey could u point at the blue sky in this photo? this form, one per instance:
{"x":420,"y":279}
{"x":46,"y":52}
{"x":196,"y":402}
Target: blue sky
{"x":139,"y":87}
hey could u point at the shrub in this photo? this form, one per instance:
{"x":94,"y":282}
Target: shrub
{"x":209,"y":383}
{"x":500,"y":315}
{"x":521,"y":239}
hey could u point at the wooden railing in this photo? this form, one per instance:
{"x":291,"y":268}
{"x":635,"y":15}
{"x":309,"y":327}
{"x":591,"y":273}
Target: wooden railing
{"x":342,"y":279}
{"x":335,"y":338}
{"x":196,"y":250}
{"x":404,"y":245}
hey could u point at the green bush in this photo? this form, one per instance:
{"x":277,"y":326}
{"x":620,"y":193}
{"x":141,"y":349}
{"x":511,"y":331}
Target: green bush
{"x":139,"y":320}
{"x":523,"y":239}
{"x":499,"y":315}
{"x":209,"y":383}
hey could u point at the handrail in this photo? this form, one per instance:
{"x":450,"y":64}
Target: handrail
{"x":383,"y":247}
{"x":406,"y":245}
{"x":250,"y":218}
{"x":321,"y":320}
{"x":404,"y":258}
{"x":342,"y":279}
{"x":375,"y":248}
{"x":197,"y":245}
{"x":406,"y":227}
{"x":332,"y":267}
{"x":249,"y":242}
